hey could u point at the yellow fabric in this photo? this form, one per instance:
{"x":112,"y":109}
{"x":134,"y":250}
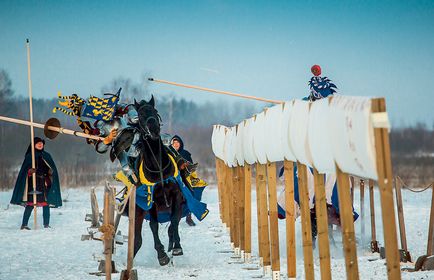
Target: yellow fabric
{"x":145,"y":181}
{"x":121,"y":177}
{"x":101,"y":107}
{"x":149,"y":184}
{"x":195,"y":181}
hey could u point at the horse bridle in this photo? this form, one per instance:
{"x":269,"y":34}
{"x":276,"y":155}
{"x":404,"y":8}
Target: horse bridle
{"x":147,"y":134}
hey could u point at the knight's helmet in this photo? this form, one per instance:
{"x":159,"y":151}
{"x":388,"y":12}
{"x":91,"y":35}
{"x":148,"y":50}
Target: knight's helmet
{"x":72,"y":102}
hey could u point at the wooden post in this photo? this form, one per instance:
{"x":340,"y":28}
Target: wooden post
{"x":131,"y":231}
{"x":306,"y":225}
{"x":235,"y":209}
{"x":219,"y":187}
{"x":225,"y":194}
{"x":374,"y":242}
{"x":384,"y":170}
{"x":347,"y":222}
{"x":264,"y":241}
{"x":362,"y":209}
{"x":405,"y":254}
{"x":32,"y":137}
{"x":290,"y":218}
{"x":247,"y":212}
{"x":230,"y":200}
{"x":259,"y":215}
{"x":322,"y":225}
{"x":241,"y":205}
{"x":430,"y":245}
{"x":108,"y":235}
{"x":352,"y":188}
{"x":274,"y":223}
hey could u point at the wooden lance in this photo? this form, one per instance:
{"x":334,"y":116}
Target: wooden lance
{"x":52,"y":125}
{"x":216,"y":91}
{"x":32,"y":135}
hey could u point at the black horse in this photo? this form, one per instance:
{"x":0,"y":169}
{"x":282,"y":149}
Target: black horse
{"x":155,"y":165}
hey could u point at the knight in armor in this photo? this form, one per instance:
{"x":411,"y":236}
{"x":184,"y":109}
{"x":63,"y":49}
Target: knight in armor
{"x":118,"y":124}
{"x":320,"y":87}
{"x":47,"y":184}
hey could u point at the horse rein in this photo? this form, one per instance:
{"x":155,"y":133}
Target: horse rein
{"x":158,"y":161}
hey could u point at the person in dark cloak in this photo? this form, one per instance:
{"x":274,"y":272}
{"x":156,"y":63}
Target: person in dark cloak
{"x":47,"y":184}
{"x":177,"y":144}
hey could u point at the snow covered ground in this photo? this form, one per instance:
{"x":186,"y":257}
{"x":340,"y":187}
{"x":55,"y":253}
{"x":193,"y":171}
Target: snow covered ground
{"x":58,"y":253}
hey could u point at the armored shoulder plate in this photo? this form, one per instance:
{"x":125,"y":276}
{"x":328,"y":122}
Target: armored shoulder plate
{"x":122,"y":142}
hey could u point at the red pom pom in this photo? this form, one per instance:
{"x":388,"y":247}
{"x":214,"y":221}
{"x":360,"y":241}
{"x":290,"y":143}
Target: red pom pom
{"x":316,"y":70}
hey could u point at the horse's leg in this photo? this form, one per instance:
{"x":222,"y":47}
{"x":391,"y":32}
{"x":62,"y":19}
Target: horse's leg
{"x":163,"y":258}
{"x":170,"y":234}
{"x":174,"y":223}
{"x":140,"y":216}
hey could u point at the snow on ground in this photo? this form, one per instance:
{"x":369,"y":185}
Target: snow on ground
{"x":58,"y":253}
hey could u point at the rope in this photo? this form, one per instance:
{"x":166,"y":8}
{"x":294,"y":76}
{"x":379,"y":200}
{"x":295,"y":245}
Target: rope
{"x":414,"y":190}
{"x":108,"y":231}
{"x":120,"y":208}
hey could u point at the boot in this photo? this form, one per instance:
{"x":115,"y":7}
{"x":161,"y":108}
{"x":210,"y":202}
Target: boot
{"x":25,"y":227}
{"x":189,"y":220}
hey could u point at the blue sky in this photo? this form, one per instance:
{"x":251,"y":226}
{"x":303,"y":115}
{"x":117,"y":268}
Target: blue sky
{"x":262,"y":48}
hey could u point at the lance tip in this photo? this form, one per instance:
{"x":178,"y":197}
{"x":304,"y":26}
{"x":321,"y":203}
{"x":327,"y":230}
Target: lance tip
{"x":27,"y":41}
{"x":150,"y":79}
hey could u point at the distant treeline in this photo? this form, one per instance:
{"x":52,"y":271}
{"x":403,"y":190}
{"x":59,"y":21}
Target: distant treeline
{"x":79,"y":164}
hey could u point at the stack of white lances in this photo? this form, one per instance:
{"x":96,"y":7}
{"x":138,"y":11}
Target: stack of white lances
{"x":319,"y":134}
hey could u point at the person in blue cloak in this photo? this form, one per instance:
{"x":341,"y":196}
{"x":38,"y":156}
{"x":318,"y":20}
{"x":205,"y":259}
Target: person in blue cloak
{"x":47,"y":184}
{"x":195,"y":184}
{"x":320,"y":87}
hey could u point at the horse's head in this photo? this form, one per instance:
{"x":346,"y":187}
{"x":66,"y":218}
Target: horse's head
{"x":149,"y":119}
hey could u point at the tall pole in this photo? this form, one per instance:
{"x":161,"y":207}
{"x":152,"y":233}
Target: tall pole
{"x":32,"y":135}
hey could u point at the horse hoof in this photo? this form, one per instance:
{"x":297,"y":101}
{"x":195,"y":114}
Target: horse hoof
{"x":177,"y":252}
{"x":164,"y":260}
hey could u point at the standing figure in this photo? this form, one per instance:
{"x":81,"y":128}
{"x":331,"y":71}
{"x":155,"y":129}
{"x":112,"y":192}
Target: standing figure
{"x":47,"y":184}
{"x":191,"y":179}
{"x":320,"y":87}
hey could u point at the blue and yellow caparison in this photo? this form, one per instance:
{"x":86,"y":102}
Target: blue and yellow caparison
{"x":145,"y":192}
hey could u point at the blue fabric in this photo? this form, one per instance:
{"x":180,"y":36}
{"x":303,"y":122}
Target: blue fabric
{"x":199,"y":209}
{"x":193,"y":204}
{"x":28,"y":211}
{"x":334,"y":198}
{"x":142,"y":197}
{"x":320,"y":87}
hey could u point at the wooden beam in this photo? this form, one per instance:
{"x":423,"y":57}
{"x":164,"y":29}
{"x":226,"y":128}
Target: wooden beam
{"x":259,"y":215}
{"x":290,"y":219}
{"x":306,"y":226}
{"x":430,"y":245}
{"x":247,"y":212}
{"x":230,"y":199}
{"x":322,"y":225}
{"x":374,"y":243}
{"x":218,"y":174}
{"x":241,"y":205}
{"x":131,"y":232}
{"x":235,"y":208}
{"x":274,"y":223}
{"x":347,"y":223}
{"x":265,"y":236}
{"x":385,"y":177}
{"x":399,"y":206}
{"x":362,"y":210}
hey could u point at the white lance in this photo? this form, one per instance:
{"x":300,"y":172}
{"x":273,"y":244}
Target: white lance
{"x":32,"y":135}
